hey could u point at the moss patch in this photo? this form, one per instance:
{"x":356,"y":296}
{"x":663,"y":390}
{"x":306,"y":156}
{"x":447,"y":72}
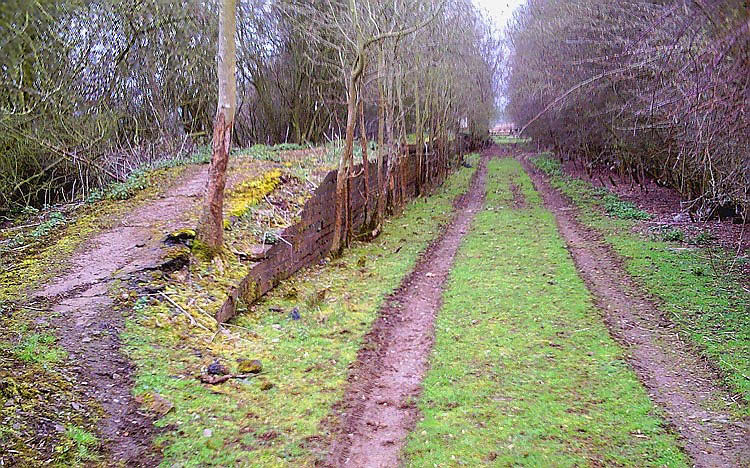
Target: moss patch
{"x":248,"y":194}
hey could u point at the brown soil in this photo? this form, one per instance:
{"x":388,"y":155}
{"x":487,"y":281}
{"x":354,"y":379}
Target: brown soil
{"x":680,"y":382}
{"x":378,"y":410}
{"x":667,"y":206}
{"x":89,"y":324}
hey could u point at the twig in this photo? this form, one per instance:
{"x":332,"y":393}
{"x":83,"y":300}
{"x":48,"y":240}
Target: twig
{"x":16,"y":228}
{"x":192,"y":319}
{"x":215,"y":380}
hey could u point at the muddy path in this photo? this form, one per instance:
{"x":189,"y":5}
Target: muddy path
{"x":379,"y":408}
{"x":88,"y":323}
{"x":681,"y":383}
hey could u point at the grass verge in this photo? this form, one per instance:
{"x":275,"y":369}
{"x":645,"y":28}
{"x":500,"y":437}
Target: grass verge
{"x":524,"y":371}
{"x":306,"y":334}
{"x":708,"y":305}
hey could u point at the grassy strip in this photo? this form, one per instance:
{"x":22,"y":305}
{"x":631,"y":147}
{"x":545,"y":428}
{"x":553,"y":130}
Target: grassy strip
{"x":706,"y":303}
{"x":524,"y":372}
{"x":275,"y":418}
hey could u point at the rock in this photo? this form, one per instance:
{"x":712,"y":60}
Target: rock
{"x":180,"y":236}
{"x":266,"y":385}
{"x":161,"y":405}
{"x":216,"y":368}
{"x":253,"y":366}
{"x":175,"y":259}
{"x":156,"y":403}
{"x":258,"y":253}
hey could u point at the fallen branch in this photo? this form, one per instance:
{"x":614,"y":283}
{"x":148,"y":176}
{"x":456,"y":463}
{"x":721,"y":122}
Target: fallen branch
{"x":217,"y":379}
{"x":192,"y":319}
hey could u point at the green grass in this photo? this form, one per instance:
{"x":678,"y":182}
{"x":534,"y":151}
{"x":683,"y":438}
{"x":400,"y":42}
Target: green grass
{"x":243,"y":422}
{"x":79,"y":446}
{"x":524,"y":372}
{"x":705,"y":301}
{"x":39,"y":348}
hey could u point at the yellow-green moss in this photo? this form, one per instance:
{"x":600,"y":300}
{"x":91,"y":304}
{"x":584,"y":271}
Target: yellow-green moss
{"x":249,"y":193}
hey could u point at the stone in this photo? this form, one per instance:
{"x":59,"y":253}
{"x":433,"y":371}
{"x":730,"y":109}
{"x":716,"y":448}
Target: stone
{"x":258,"y":252}
{"x":216,"y":368}
{"x":180,"y":236}
{"x":253,"y":366}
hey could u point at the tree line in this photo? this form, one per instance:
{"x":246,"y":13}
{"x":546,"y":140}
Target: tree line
{"x":649,"y":88}
{"x":90,"y":89}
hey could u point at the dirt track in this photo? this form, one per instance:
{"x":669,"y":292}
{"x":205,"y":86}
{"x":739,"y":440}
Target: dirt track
{"x":88,"y":323}
{"x":379,"y":411}
{"x":677,"y":380}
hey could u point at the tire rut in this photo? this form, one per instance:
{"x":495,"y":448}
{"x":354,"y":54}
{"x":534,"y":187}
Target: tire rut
{"x":379,"y":408}
{"x":680,"y":382}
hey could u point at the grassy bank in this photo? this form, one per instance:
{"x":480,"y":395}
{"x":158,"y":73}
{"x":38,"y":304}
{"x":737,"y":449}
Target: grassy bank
{"x":306,"y":333}
{"x":44,"y":414}
{"x":707,"y":303}
{"x":524,"y":371}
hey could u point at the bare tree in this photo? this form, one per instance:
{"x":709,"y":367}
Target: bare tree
{"x":211,"y":227}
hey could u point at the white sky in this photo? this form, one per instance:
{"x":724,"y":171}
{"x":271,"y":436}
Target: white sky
{"x":501,"y":10}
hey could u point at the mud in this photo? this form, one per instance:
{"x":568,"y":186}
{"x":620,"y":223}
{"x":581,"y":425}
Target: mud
{"x":379,"y":408}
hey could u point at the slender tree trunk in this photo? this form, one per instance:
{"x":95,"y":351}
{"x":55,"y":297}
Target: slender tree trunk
{"x":365,"y":160}
{"x":404,"y":152}
{"x":346,"y":155}
{"x":419,"y":137}
{"x":381,"y":145}
{"x":392,"y":157}
{"x":210,"y":232}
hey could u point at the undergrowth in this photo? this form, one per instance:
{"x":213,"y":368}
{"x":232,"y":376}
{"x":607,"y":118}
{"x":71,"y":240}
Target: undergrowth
{"x":306,"y":333}
{"x":141,"y":178}
{"x":523,"y":371}
{"x":695,"y":288}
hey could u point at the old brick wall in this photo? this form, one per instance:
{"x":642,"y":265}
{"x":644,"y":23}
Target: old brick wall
{"x":308,"y":241}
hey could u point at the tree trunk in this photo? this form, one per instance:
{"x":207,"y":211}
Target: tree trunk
{"x":419,"y":137}
{"x":210,"y":232}
{"x":381,"y":194}
{"x":365,"y":161}
{"x":346,"y":155}
{"x":404,"y":152}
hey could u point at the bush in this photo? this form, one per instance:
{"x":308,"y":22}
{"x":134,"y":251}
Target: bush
{"x":618,"y":208}
{"x":673,"y":235}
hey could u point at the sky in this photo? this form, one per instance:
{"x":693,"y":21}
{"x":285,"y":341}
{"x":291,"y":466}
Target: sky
{"x":501,"y":10}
